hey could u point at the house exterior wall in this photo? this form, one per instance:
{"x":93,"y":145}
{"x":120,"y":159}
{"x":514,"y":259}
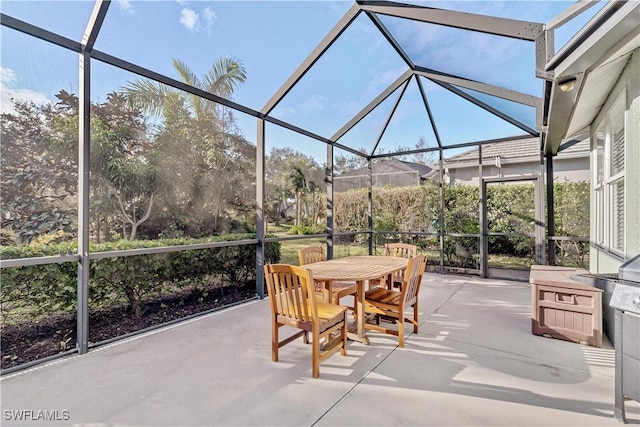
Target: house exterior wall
{"x":469,"y":175}
{"x":602,"y":260}
{"x":574,"y":169}
{"x":568,"y":169}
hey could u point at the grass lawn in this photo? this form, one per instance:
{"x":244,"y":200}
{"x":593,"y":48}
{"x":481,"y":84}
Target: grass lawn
{"x":289,"y":251}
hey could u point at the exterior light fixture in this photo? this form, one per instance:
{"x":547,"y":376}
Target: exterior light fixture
{"x":567,"y":85}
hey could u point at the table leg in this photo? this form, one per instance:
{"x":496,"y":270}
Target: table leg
{"x":360,"y":334}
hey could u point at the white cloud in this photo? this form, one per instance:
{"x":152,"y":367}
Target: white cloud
{"x":415,"y":37}
{"x":125,"y":5}
{"x":492,"y":57}
{"x":407,"y":109}
{"x":195,"y":21}
{"x":9,"y":95}
{"x":350,"y":107}
{"x":382,"y":79}
{"x":310,"y":105}
{"x":209,"y":17}
{"x":189,"y":18}
{"x":469,"y":54}
{"x":283,"y":112}
{"x":7,"y":75}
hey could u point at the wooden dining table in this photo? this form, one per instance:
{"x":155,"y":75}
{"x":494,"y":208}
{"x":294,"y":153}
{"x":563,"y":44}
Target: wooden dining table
{"x":357,"y":269}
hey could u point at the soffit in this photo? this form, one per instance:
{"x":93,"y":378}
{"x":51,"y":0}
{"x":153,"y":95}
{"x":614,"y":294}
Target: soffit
{"x":595,"y":58}
{"x":598,"y":85}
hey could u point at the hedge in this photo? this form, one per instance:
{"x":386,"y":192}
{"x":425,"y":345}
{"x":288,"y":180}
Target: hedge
{"x":510,"y":207}
{"x":31,"y":291}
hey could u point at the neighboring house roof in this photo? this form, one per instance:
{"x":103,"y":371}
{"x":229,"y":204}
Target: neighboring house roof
{"x":388,"y":167}
{"x":409,"y":166}
{"x":512,"y":152}
{"x":522,"y":150}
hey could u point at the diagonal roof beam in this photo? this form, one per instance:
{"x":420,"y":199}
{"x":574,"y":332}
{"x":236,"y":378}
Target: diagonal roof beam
{"x":302,"y":69}
{"x":513,"y":28}
{"x":40,"y":33}
{"x":95,"y":23}
{"x":454,"y":146}
{"x":487,"y":107}
{"x":389,"y":116}
{"x":177,"y":84}
{"x":373,"y":104}
{"x":510,"y":95}
{"x":394,"y":43}
{"x":602,"y":32}
{"x":616,"y":24}
{"x":569,"y":13}
{"x":429,"y":113}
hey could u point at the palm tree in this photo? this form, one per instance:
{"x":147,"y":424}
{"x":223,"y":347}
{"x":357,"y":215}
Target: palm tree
{"x":222,"y":79}
{"x":299,"y":183}
{"x":197,"y":138}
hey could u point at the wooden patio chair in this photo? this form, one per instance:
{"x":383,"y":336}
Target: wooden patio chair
{"x":404,"y":250}
{"x":336,"y":290}
{"x":390,"y":303}
{"x":293,"y":303}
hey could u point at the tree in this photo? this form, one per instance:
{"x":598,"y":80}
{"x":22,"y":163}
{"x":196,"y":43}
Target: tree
{"x":204,"y":158}
{"x":39,"y":172}
{"x":421,"y":157}
{"x":299,"y":184}
{"x":343,"y":163}
{"x":222,"y":79}
{"x":40,"y":167}
{"x":293,"y":178}
{"x":123,"y":167}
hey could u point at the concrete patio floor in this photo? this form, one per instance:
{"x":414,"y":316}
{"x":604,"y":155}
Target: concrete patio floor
{"x":474,"y":362}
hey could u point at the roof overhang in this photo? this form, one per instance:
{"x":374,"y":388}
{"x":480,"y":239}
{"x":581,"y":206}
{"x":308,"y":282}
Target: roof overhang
{"x":586,"y":69}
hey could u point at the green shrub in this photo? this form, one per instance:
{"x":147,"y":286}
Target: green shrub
{"x":510,"y":209}
{"x":38,"y":289}
{"x":31,"y":291}
{"x":307,"y":230}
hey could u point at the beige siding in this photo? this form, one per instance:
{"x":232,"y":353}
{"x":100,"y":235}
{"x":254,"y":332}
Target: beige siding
{"x":573,"y":169}
{"x":601,"y":261}
{"x":633,"y":154}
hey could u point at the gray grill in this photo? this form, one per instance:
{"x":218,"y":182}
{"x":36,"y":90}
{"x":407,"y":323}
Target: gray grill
{"x":621,"y":318}
{"x":626,"y":301}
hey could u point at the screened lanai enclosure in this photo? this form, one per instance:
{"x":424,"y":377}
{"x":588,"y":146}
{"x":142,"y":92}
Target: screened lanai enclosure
{"x":155,"y":155}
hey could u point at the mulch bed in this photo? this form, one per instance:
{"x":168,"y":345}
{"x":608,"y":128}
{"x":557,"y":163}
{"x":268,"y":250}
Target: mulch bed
{"x":51,"y":335}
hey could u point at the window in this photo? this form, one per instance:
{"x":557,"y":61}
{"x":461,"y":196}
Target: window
{"x":609,"y":179}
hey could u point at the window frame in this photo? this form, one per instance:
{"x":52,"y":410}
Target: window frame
{"x":607,"y":211}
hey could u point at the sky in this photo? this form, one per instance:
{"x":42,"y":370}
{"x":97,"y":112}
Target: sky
{"x":271,"y":38}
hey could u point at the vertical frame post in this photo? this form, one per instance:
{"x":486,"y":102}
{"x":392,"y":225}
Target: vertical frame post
{"x":441,"y":231}
{"x":260,"y":223}
{"x":84,"y":166}
{"x":551,"y":222}
{"x":328,"y":176}
{"x":484,"y":226}
{"x":370,"y":205}
{"x":539,"y":227}
{"x":84,"y":133}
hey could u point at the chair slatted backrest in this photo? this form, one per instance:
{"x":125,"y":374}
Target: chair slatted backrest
{"x":311,"y":254}
{"x":413,"y":278}
{"x":289,"y":288}
{"x":403,"y":250}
